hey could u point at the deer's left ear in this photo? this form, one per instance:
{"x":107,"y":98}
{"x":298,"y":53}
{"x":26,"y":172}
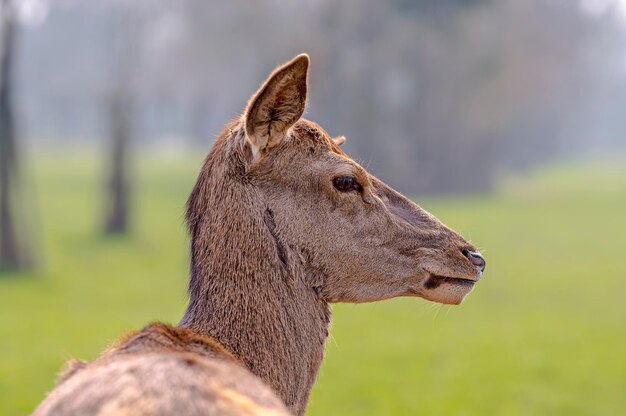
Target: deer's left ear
{"x":277,"y":105}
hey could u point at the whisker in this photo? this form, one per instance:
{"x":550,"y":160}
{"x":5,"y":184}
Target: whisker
{"x":439,"y":306}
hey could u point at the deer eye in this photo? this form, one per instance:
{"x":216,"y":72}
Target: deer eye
{"x":346,"y":183}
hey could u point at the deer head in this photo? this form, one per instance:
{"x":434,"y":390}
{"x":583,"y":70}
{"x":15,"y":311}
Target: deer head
{"x":364,"y":240}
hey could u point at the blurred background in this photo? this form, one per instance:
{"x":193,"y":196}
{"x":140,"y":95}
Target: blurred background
{"x":506,"y":119}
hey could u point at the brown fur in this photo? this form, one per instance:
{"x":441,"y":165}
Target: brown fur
{"x":272,"y":243}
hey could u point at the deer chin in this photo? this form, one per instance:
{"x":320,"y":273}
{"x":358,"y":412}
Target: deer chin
{"x":447,"y":290}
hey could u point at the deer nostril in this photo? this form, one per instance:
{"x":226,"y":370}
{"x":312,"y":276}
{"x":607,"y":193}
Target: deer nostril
{"x":476,"y":259}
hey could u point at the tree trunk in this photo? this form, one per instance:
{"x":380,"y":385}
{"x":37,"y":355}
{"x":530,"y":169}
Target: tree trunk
{"x":119,"y":106}
{"x":119,"y":175}
{"x":14,"y":252}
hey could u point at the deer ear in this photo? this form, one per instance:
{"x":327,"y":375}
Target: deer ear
{"x":277,"y":105}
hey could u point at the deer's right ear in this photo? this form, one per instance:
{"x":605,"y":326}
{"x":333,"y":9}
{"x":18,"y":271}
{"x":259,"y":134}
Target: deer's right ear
{"x":277,"y":105}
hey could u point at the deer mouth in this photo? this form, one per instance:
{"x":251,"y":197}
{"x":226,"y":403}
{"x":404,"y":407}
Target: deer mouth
{"x":434,"y":281}
{"x":446,"y":289}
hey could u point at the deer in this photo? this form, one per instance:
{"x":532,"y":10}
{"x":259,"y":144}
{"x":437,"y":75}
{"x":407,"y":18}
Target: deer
{"x":282,"y":223}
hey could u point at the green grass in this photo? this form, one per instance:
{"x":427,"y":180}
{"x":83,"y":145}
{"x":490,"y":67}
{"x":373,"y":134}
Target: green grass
{"x":543,"y":333}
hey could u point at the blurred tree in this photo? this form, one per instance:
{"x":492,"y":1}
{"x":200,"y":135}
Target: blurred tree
{"x":121,"y":130}
{"x":120,"y":101}
{"x":132,"y":26}
{"x":14,"y":250}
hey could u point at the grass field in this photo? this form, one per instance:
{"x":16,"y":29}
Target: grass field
{"x":544,"y":333}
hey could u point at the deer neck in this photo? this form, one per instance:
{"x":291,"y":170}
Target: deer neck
{"x":251,"y":292}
